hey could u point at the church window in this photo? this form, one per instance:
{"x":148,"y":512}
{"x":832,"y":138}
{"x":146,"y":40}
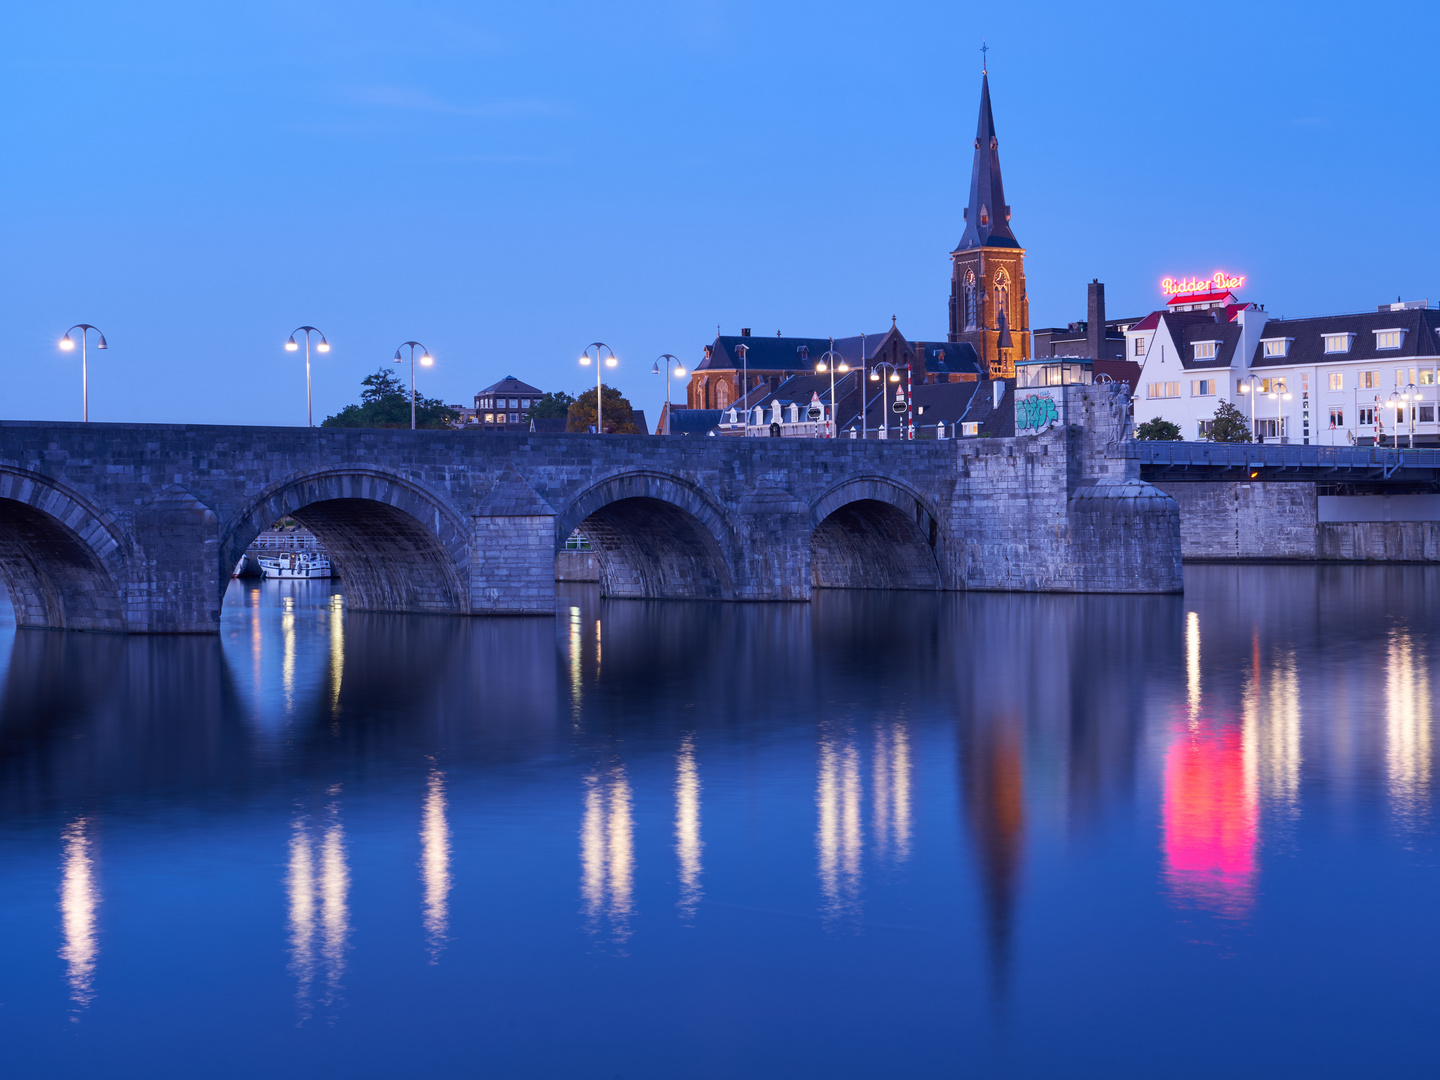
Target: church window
{"x":722,"y":395}
{"x":970,"y":300}
{"x":1002,"y":297}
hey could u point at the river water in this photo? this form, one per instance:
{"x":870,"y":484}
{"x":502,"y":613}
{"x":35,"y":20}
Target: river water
{"x":881,"y":835}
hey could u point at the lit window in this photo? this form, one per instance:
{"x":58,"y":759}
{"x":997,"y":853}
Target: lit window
{"x":1205,"y":350}
{"x":1427,"y":378}
{"x":1276,"y":346}
{"x":489,"y":417}
{"x":1163,"y":390}
{"x":1370,"y":380}
{"x":1337,"y":380}
{"x":1272,"y":386}
{"x":1139,"y":346}
{"x":1206,"y":426}
{"x":1399,"y":377}
{"x":1389,"y":339}
{"x":1337,"y":418}
{"x":1337,"y":342}
{"x":1202,"y":387}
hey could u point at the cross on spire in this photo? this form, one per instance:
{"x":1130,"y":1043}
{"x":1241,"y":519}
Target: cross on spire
{"x":984,"y":58}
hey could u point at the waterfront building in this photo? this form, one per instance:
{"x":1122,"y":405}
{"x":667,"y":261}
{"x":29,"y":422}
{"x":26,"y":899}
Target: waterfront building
{"x":1355,"y":379}
{"x":503,"y":405}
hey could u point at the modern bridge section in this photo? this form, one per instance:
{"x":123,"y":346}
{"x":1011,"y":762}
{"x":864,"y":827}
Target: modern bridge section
{"x":1205,"y":461}
{"x":136,"y":528}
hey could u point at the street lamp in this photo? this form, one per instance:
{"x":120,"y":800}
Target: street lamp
{"x":679,"y":372}
{"x":67,"y":344}
{"x":875,"y":377}
{"x":425,"y":361}
{"x":1275,"y":396}
{"x":324,"y":346}
{"x":609,"y":360}
{"x":1412,"y":395}
{"x":832,"y":362}
{"x":1247,"y":386}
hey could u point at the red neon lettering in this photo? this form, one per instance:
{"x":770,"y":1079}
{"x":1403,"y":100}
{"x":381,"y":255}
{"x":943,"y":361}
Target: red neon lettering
{"x":1217,"y":282}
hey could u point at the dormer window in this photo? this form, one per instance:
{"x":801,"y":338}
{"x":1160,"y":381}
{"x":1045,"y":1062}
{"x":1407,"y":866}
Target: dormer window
{"x":984,"y":215}
{"x":804,"y":351}
{"x":1338,"y":343}
{"x":1205,"y":350}
{"x":1389,"y":339}
{"x":1272,"y":347}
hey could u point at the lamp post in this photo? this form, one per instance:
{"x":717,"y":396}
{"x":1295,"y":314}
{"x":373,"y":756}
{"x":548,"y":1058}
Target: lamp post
{"x":1247,"y":386}
{"x":324,"y":346}
{"x":425,"y":361}
{"x":1275,"y":396}
{"x":744,"y":351}
{"x":893,"y":377}
{"x":1412,"y":394}
{"x":831,"y":362}
{"x":679,"y":373}
{"x":67,"y":344}
{"x":603,"y":358}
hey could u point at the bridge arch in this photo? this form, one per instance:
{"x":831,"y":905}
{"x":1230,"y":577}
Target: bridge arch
{"x":395,"y":545}
{"x":656,"y":536}
{"x":874,"y":532}
{"x":64,"y":562}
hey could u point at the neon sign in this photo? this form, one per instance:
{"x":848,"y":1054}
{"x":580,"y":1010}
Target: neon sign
{"x":1218,"y":282}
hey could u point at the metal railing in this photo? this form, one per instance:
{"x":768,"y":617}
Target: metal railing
{"x":1384,"y":459}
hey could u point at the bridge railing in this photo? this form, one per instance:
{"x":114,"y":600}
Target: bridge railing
{"x":1386,"y":460}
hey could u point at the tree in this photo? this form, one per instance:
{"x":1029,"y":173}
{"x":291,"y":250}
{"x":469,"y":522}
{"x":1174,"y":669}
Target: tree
{"x":384,"y":403}
{"x":618,"y":413}
{"x":551,"y":406}
{"x":1157,"y":428}
{"x":1229,"y":424}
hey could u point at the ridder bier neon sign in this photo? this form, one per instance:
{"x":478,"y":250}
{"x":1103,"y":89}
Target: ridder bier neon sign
{"x":1218,"y":282}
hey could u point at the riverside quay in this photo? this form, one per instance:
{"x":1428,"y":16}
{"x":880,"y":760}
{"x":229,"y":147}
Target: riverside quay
{"x":136,"y":528}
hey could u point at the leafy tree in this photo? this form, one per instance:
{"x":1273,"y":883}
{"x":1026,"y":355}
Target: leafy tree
{"x":1157,"y":428}
{"x":384,"y":403}
{"x":1229,"y":424}
{"x":618,"y":413}
{"x":551,"y":406}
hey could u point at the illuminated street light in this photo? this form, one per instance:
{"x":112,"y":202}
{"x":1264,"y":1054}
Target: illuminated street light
{"x":425,"y":361}
{"x":831,"y":362}
{"x":67,"y":345}
{"x":679,"y":372}
{"x":894,"y":377}
{"x":1247,"y":386}
{"x":291,"y":346}
{"x":603,"y":357}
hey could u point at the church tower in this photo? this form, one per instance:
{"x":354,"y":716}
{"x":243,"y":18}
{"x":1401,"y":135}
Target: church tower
{"x":988,"y":304}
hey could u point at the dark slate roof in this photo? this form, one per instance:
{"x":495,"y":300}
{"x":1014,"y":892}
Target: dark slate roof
{"x":955,"y":357}
{"x":511,"y":385}
{"x":933,"y":402}
{"x":1188,"y":327}
{"x":694,"y":421}
{"x":987,"y":194}
{"x":1422,"y":336}
{"x":998,"y":422}
{"x":780,"y":353}
{"x":765,"y":353}
{"x":1126,"y":371}
{"x":638,"y":415}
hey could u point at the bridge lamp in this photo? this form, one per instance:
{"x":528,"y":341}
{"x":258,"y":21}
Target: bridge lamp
{"x":67,"y":344}
{"x":425,"y":361}
{"x":832,"y":362}
{"x":604,"y":357}
{"x":672,"y":367}
{"x":292,"y":345}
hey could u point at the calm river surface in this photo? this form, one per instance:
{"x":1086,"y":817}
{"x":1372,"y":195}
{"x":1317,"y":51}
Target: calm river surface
{"x":883,"y":835}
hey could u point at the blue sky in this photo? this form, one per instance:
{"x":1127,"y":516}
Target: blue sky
{"x":507,"y":183}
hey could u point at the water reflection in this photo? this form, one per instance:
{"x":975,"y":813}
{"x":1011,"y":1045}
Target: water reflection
{"x":1210,"y":819}
{"x":435,"y":864}
{"x":79,"y":901}
{"x":607,"y":854}
{"x":319,"y":889}
{"x":336,"y":618}
{"x":1192,"y":663}
{"x":838,"y":838}
{"x":687,"y":827}
{"x":890,"y":774}
{"x":1272,"y":734}
{"x":1407,"y":727}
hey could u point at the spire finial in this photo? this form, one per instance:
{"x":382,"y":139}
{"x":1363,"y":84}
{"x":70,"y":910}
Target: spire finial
{"x":984,"y":59}
{"x":892,"y":322}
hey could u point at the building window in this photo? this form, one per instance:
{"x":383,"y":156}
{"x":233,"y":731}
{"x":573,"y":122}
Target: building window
{"x":1202,"y":387}
{"x":1367,"y":417}
{"x":971,"y":300}
{"x":1337,"y":380}
{"x":1337,"y":418}
{"x":1275,"y":346}
{"x":1270,"y":428}
{"x":1389,"y":339}
{"x":1163,"y":390}
{"x":525,"y":403}
{"x":1337,"y":343}
{"x":1002,"y":297}
{"x":1370,"y":380}
{"x":1205,"y":350}
{"x":1139,"y":346}
{"x":489,"y":417}
{"x":1205,"y":428}
{"x":1427,"y":414}
{"x":1272,"y":386}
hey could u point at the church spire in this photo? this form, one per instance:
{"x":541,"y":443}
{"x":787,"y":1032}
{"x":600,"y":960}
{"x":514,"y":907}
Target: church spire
{"x":987,"y":218}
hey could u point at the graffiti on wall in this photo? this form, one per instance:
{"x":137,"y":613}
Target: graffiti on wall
{"x":1035,"y":412}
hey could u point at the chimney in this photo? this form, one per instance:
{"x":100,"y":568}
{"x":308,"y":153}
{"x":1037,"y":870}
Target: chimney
{"x":745,"y":332}
{"x":1095,"y":325}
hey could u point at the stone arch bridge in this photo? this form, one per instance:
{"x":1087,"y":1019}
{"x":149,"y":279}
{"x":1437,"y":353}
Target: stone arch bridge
{"x":126,"y":527}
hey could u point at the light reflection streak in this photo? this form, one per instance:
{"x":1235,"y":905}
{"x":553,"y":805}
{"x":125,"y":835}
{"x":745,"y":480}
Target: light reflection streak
{"x":79,"y":899}
{"x":607,"y":853}
{"x":287,"y":630}
{"x":838,"y":839}
{"x":435,"y":864}
{"x":575,"y":665}
{"x":1192,"y":663}
{"x":318,"y":885}
{"x":1210,"y":820}
{"x":1407,"y":728}
{"x":688,"y":844}
{"x":891,"y":780}
{"x":337,"y":649}
{"x":1272,"y":735}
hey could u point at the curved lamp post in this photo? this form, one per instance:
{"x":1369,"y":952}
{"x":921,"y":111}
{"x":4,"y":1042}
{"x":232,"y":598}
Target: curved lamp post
{"x":425,"y":361}
{"x":604,"y":357}
{"x":894,"y":377}
{"x":1412,"y":395}
{"x":1247,"y":386}
{"x":679,"y":372}
{"x":291,"y":346}
{"x":67,"y":344}
{"x":832,"y":362}
{"x":1275,"y":396}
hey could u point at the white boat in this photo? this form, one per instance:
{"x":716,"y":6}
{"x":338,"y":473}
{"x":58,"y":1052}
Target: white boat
{"x":291,"y":565}
{"x":240,"y":566}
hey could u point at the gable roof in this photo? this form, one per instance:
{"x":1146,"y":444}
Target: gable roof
{"x":1421,"y":338}
{"x":1189,"y":327}
{"x":512,"y":385}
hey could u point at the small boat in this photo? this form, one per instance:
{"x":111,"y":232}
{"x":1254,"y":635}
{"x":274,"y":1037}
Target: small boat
{"x":292,"y":565}
{"x":241,"y":566}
